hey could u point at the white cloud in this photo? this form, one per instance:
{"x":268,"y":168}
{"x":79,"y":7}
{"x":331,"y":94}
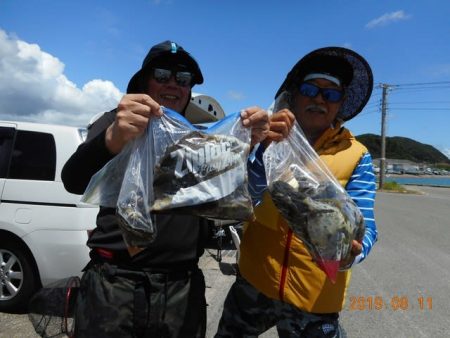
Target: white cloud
{"x":235,"y":96}
{"x":388,"y":18}
{"x":33,"y":87}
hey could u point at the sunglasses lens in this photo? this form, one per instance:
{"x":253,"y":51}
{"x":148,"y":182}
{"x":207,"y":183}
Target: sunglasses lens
{"x":332,"y":95}
{"x":162,"y":75}
{"x":329,"y":94}
{"x":184,"y":78}
{"x":309,"y":90}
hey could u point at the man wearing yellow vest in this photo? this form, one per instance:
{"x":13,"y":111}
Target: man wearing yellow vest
{"x":279,"y":283}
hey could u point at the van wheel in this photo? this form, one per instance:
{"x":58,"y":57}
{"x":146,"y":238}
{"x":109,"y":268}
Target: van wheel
{"x":17,"y":279}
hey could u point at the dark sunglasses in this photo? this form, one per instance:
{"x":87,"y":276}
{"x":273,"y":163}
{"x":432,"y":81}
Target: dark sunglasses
{"x":329,"y":94}
{"x":183,"y":79}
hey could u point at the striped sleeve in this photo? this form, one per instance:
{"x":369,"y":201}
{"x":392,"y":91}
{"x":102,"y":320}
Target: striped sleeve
{"x":362,"y":189}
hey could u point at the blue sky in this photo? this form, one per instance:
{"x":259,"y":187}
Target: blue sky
{"x":64,"y":61}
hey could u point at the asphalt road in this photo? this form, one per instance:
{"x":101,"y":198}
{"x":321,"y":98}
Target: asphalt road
{"x":401,"y":290}
{"x":408,"y":270}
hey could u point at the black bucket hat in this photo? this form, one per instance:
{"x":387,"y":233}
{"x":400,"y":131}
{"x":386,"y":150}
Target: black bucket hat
{"x":167,"y":52}
{"x":348,"y":66}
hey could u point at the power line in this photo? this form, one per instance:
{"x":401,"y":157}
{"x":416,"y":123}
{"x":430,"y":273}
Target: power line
{"x":420,"y":84}
{"x":416,"y":89}
{"x":364,"y":113}
{"x":420,"y":102}
{"x":415,"y":108}
{"x":405,"y":87}
{"x":373,"y":105}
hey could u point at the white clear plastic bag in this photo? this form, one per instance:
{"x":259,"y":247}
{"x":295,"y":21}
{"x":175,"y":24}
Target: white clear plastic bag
{"x":316,"y":207}
{"x":176,"y":167}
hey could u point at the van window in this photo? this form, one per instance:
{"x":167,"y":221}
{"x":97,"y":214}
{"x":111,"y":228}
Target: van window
{"x":6,"y":139}
{"x":33,"y":157}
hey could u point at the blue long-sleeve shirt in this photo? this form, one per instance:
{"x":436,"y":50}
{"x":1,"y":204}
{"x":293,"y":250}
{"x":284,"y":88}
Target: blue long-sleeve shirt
{"x":362,"y":189}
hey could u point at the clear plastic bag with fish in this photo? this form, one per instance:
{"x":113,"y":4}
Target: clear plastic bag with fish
{"x":125,"y":183}
{"x":203,"y":172}
{"x":316,"y":207}
{"x":178,"y":167}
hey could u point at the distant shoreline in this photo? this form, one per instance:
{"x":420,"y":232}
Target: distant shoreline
{"x":418,"y":176}
{"x":439,"y":181}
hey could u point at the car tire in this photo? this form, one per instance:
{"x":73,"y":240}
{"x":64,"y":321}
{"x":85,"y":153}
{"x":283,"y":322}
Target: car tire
{"x":18,"y":280}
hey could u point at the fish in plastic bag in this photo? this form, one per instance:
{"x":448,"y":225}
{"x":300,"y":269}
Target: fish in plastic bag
{"x":316,"y":207}
{"x":207,"y":174}
{"x":157,"y":172}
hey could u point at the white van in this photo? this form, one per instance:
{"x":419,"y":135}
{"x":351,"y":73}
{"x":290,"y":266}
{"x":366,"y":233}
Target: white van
{"x":43,"y":228}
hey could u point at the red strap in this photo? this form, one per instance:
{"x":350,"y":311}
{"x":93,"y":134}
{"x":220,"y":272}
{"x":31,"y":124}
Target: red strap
{"x":105,"y":253}
{"x":285,"y":264}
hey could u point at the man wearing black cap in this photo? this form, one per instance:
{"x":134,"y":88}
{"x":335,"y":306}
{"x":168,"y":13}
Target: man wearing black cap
{"x":280,"y":284}
{"x":158,"y":291}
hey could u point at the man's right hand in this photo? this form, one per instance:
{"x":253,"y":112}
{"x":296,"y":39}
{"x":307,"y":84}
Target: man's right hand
{"x":133,"y":114}
{"x":281,"y":124}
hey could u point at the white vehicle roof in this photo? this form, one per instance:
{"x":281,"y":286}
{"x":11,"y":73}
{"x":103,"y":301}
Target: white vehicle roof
{"x":203,"y":109}
{"x":36,"y":126}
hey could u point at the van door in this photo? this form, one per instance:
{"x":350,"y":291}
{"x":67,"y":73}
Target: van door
{"x":7,"y":132}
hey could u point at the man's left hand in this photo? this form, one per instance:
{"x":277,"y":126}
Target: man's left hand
{"x":281,"y":124}
{"x":257,"y":119}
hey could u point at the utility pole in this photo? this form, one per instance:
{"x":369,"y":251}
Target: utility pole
{"x":385,"y":88}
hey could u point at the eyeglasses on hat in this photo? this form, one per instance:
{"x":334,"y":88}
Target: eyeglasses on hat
{"x":183,"y":79}
{"x":329,"y":94}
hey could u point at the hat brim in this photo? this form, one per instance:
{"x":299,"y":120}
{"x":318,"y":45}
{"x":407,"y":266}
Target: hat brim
{"x":357,"y":92}
{"x":136,"y":83}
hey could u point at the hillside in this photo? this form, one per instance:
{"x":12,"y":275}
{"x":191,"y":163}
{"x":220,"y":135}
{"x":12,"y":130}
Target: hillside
{"x":403,"y":148}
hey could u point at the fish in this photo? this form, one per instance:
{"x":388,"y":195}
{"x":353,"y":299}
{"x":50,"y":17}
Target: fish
{"x":200,"y":174}
{"x":233,"y":207}
{"x":205,"y":175}
{"x":324,"y":218}
{"x":135,"y":220}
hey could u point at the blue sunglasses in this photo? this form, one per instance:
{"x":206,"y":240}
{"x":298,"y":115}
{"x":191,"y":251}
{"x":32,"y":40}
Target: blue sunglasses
{"x":329,"y":94}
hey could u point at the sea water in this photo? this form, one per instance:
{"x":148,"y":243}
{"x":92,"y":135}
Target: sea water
{"x":430,"y":181}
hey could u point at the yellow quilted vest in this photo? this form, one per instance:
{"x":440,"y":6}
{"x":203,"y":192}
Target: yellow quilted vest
{"x":276,"y":262}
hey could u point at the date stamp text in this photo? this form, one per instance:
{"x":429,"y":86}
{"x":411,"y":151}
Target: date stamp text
{"x":394,"y":303}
